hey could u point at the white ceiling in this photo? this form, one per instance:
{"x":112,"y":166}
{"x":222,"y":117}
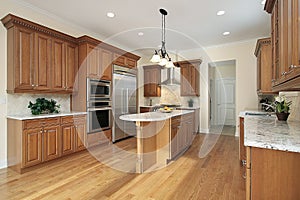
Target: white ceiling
{"x":190,"y":23}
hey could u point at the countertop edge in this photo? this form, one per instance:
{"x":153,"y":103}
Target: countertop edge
{"x":26,"y":117}
{"x":164,"y":116}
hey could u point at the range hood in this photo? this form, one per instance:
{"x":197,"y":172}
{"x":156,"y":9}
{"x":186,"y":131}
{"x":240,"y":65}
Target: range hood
{"x":171,"y":79}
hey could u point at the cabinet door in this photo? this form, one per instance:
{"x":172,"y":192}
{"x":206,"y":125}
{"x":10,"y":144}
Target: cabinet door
{"x":242,"y":147}
{"x":185,"y":87}
{"x":58,"y":64}
{"x":32,"y":149}
{"x":152,"y":80}
{"x":51,"y":142}
{"x":174,"y":140}
{"x":67,"y":139}
{"x":131,"y":63}
{"x":92,"y":61}
{"x":106,"y":64}
{"x":71,"y":57}
{"x":80,"y":132}
{"x":42,"y":62}
{"x":23,"y":59}
{"x":119,"y":60}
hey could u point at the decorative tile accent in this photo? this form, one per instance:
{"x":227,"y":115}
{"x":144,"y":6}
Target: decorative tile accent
{"x":18,"y":103}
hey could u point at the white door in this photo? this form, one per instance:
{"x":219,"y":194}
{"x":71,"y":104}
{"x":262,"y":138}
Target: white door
{"x":225,"y":95}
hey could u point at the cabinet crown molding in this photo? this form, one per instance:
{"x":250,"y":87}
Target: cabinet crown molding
{"x":12,"y":20}
{"x":260,"y":43}
{"x":269,"y":6}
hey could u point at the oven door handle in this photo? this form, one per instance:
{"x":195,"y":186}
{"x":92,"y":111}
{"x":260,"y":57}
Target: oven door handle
{"x":95,"y":109}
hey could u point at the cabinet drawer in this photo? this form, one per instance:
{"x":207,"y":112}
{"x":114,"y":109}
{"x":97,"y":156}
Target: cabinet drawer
{"x":36,"y":123}
{"x":67,"y":120}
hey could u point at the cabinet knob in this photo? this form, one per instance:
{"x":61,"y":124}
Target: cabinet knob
{"x":291,"y":66}
{"x":32,"y":85}
{"x":283,"y":73}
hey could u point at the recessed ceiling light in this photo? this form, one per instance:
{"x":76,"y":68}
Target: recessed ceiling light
{"x":140,"y":34}
{"x":226,"y":33}
{"x":220,"y":12}
{"x":263,"y":2}
{"x":110,"y":14}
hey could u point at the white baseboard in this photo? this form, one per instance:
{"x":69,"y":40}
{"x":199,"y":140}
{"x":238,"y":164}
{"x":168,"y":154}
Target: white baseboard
{"x":204,"y":130}
{"x":3,"y":164}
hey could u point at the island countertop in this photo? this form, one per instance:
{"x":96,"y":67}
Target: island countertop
{"x":267,"y":132}
{"x":154,"y":116}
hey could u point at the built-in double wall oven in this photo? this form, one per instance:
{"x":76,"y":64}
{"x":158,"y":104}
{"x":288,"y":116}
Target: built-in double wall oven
{"x":98,"y":105}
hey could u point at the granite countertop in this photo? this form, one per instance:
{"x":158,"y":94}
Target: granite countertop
{"x":154,"y":116}
{"x":269,"y":133}
{"x":30,"y":116}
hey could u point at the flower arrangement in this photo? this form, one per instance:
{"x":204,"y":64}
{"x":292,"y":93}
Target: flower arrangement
{"x":281,"y":105}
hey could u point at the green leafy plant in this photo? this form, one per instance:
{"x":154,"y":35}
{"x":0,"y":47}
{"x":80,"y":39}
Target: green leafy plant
{"x":281,"y":105}
{"x":43,"y":106}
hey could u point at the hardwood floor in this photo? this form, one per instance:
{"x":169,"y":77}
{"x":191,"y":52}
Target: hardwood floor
{"x":81,"y":176}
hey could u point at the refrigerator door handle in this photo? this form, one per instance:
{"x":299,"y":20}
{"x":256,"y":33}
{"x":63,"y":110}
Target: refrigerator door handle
{"x":127,"y":100}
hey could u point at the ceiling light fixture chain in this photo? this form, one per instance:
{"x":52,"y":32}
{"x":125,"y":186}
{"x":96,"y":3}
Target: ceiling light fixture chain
{"x":161,"y":56}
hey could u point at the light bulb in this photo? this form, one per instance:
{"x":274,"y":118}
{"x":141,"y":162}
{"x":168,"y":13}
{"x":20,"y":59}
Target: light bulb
{"x":155,"y":58}
{"x":163,"y":62}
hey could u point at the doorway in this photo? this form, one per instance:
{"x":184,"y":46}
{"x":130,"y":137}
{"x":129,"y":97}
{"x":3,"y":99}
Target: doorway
{"x":222,"y":97}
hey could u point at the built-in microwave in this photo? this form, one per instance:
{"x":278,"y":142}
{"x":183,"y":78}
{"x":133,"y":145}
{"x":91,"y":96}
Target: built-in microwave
{"x":98,"y":88}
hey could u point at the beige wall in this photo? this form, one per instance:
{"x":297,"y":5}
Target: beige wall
{"x":242,"y":52}
{"x":37,"y":16}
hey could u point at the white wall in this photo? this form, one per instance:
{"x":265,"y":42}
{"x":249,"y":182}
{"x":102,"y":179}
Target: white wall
{"x":37,"y":16}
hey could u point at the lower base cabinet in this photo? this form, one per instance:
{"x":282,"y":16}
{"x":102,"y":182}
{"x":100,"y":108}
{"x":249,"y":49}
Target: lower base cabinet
{"x":31,"y":142}
{"x":182,"y":129}
{"x":272,"y":174}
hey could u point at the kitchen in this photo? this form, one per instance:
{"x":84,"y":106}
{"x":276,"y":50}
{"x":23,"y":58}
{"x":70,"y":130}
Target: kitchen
{"x":240,"y":51}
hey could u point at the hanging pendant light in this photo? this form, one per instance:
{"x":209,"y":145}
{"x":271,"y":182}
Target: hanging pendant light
{"x":161,"y":56}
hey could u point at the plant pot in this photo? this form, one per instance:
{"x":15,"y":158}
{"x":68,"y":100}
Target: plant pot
{"x":282,"y":116}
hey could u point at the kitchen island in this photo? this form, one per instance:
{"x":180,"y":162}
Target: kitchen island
{"x":273,"y":158}
{"x":161,"y":137}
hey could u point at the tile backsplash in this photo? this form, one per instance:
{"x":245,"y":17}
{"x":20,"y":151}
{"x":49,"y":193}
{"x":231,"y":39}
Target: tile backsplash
{"x":170,"y":94}
{"x":18,"y":103}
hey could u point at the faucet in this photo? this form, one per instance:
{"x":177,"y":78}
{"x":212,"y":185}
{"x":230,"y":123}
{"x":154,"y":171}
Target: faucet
{"x":268,"y":106}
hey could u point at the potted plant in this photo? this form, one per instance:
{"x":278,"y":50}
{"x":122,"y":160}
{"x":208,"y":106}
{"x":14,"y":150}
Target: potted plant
{"x":282,"y":108}
{"x":43,"y":106}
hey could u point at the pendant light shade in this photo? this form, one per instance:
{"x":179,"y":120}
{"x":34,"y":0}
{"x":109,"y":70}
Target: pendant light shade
{"x":161,"y":56}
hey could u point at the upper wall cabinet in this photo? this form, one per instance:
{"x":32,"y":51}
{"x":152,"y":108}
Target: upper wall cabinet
{"x":39,"y":59}
{"x":126,"y":60}
{"x":263,"y":52}
{"x":285,"y":43}
{"x":190,"y":77}
{"x":152,"y":81}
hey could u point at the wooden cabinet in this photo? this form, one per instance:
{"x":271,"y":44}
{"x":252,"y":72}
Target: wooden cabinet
{"x":263,"y":52}
{"x":272,"y":174}
{"x":32,"y":152}
{"x":41,"y":140}
{"x":125,"y":61}
{"x":190,"y":77}
{"x":98,"y":61}
{"x":64,"y":65}
{"x":73,"y":133}
{"x":51,"y":142}
{"x":285,"y":43}
{"x":152,"y":81}
{"x":31,"y":142}
{"x":40,"y":60}
{"x":146,"y":109}
{"x":242,"y":148}
{"x":181,"y":135}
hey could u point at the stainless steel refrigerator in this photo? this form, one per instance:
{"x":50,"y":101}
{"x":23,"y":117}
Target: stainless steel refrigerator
{"x":123,"y":101}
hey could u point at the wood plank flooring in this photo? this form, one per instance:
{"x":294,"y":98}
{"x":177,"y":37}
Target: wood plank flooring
{"x":81,"y":176}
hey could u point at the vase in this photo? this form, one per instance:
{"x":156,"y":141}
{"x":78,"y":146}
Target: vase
{"x":282,"y":116}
